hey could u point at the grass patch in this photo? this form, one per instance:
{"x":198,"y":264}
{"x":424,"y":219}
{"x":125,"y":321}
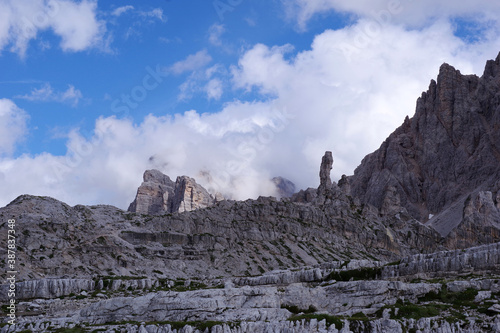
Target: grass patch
{"x":417,"y":311}
{"x":179,"y":285}
{"x":457,"y":299}
{"x":359,"y":316}
{"x":413,"y":311}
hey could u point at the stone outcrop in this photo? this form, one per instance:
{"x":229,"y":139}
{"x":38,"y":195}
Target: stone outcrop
{"x":481,"y":260}
{"x":240,"y":238}
{"x":189,"y":195}
{"x":158,"y":194}
{"x":448,"y":149}
{"x":324,"y":172}
{"x":47,"y":288}
{"x":284,"y":187}
{"x":155,"y":195}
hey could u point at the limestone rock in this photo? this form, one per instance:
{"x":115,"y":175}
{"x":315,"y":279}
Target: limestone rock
{"x":47,"y":288}
{"x":392,"y":202}
{"x":345,"y":184}
{"x":284,"y":187}
{"x":158,"y":194}
{"x":305,"y":196}
{"x":449,"y":148}
{"x":189,"y":195}
{"x":485,"y":258}
{"x":324,"y":172}
{"x":154,"y":194}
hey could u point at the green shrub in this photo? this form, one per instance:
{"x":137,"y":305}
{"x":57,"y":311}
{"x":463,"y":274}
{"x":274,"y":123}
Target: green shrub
{"x":416,"y":311}
{"x":457,"y":299}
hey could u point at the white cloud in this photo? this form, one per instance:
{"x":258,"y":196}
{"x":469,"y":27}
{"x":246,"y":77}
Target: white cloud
{"x":191,"y":63}
{"x":156,"y":13}
{"x":214,"y":89}
{"x":121,"y":10}
{"x":75,"y":22}
{"x":406,"y":12}
{"x":209,"y":81}
{"x":47,"y":94}
{"x":12,"y":126}
{"x":214,"y":34}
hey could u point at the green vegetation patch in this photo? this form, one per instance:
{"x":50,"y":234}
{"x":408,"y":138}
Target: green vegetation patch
{"x":457,"y":299}
{"x":416,"y":311}
{"x":402,"y":310}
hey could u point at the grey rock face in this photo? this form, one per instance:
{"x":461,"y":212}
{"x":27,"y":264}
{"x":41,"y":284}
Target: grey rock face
{"x":479,"y":260}
{"x":158,"y":194}
{"x":324,"y":172}
{"x":450,"y":148}
{"x":189,"y":195}
{"x":284,"y":187}
{"x":155,"y":194}
{"x":47,"y":288}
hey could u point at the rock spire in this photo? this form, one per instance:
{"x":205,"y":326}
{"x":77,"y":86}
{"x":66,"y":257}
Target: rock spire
{"x":324,"y":171}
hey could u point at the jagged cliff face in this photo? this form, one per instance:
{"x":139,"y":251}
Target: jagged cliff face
{"x":449,"y":150}
{"x":158,"y":194}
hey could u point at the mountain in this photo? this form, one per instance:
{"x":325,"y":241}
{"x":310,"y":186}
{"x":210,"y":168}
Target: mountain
{"x":406,"y":244}
{"x":444,"y":160}
{"x":159,"y":194}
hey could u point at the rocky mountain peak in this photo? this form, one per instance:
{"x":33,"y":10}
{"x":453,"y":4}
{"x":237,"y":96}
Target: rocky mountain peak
{"x":158,"y":194}
{"x":284,"y":187}
{"x":156,"y":176}
{"x":492,"y":68}
{"x":448,"y":150}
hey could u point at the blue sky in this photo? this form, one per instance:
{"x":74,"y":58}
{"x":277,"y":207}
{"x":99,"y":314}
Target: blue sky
{"x":231,"y":92}
{"x":141,"y":35}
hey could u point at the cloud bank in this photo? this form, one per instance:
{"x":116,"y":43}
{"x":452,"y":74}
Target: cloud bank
{"x":409,"y":13}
